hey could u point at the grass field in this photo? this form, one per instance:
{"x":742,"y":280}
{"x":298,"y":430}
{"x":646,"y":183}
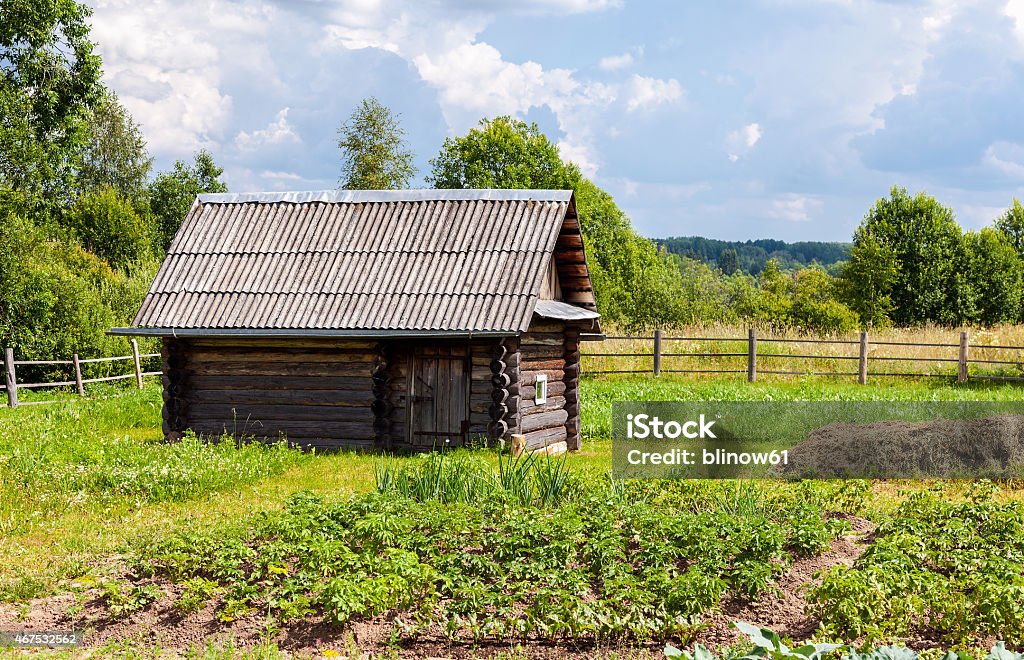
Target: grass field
{"x":891,"y":350}
{"x":472,"y":554}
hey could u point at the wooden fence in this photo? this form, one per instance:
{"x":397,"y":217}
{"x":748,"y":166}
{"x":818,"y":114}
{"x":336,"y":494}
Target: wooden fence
{"x":750,"y":349}
{"x":11,"y":384}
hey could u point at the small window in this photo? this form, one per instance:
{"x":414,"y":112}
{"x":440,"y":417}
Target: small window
{"x":541,"y":390}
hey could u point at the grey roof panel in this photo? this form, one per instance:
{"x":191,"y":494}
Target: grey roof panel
{"x":556,"y":309}
{"x":437,"y":260}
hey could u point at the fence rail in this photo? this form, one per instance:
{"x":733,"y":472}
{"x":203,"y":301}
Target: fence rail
{"x":11,"y":384}
{"x":718,"y":358}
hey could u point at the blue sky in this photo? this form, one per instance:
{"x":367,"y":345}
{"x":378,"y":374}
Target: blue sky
{"x":736,"y":120}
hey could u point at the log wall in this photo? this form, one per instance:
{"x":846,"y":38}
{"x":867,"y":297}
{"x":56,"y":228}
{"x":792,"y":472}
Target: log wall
{"x":334,"y":393}
{"x":571,"y":385}
{"x":316,"y":392}
{"x":174,"y":411}
{"x":542,"y":351}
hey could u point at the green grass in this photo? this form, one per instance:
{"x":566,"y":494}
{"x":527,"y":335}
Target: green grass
{"x":598,"y":394}
{"x":470,"y":478}
{"x":85,"y":481}
{"x":90,"y":454}
{"x":79,"y":478}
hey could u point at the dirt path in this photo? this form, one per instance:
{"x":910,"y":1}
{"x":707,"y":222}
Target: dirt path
{"x":784,"y":612}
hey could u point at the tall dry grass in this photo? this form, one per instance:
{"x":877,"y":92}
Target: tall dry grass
{"x":927,"y":351}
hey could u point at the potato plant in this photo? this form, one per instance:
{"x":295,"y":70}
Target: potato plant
{"x":612,"y":561}
{"x":939,"y":568}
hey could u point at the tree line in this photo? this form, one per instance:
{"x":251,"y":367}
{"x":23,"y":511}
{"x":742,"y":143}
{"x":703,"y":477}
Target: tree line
{"x":752,"y":256}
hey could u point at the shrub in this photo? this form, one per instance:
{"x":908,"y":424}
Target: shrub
{"x":110,"y":228}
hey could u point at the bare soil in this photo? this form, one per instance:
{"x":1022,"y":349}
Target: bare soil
{"x":990,"y":446}
{"x":161,"y":626}
{"x":784,"y":611}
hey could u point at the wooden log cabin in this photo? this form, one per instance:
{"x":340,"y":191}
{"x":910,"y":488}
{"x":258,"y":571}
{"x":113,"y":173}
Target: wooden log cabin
{"x":375,"y":319}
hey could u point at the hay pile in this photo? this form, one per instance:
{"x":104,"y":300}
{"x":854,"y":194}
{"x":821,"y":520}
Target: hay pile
{"x":990,"y":447}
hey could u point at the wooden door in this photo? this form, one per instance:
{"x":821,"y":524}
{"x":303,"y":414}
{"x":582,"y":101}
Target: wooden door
{"x":439,"y":396}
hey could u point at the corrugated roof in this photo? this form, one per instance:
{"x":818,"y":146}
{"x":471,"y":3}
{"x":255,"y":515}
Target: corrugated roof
{"x":556,"y":309}
{"x":430,"y":260}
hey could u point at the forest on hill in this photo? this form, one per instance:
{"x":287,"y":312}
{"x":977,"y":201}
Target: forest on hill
{"x":751,"y":256}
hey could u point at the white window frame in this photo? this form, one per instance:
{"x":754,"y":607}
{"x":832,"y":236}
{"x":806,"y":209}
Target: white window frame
{"x":540,"y":391}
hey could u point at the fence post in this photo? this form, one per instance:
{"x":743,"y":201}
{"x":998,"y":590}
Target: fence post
{"x":138,"y":367}
{"x":78,"y":375}
{"x":752,"y":355}
{"x":961,"y":372}
{"x":862,"y":376}
{"x":12,"y":378}
{"x":657,"y":352}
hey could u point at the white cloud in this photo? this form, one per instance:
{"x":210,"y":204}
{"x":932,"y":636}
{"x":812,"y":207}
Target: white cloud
{"x":645,"y":92}
{"x":549,"y":6}
{"x":751,"y":134}
{"x":475,"y":81}
{"x":972,"y":216}
{"x":584,"y":156}
{"x":174,"y":61}
{"x":578,"y":6}
{"x":834,"y":75}
{"x":1015,"y":10}
{"x":216,"y":73}
{"x":1006,"y":158}
{"x":169,"y":70}
{"x":277,"y":132}
{"x":741,"y":141}
{"x":616,"y":62}
{"x":793,"y":207}
{"x":675,"y":192}
{"x":281,"y":176}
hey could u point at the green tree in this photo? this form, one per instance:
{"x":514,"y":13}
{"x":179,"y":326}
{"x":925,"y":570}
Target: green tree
{"x":171,"y":194}
{"x":728,"y":261}
{"x":707,"y":297}
{"x":867,"y":280}
{"x":502,"y":153}
{"x":816,"y":305}
{"x":927,"y":244}
{"x":23,"y":160}
{"x":57,"y":298}
{"x":993,"y":272}
{"x":49,"y":80}
{"x":116,"y":153}
{"x":109,"y":227}
{"x":771,"y":302}
{"x":1011,"y":223}
{"x":374,"y":151}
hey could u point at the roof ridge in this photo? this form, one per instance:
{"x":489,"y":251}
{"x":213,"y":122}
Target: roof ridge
{"x":350,"y":251}
{"x":226,"y":292}
{"x":371,"y":196}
